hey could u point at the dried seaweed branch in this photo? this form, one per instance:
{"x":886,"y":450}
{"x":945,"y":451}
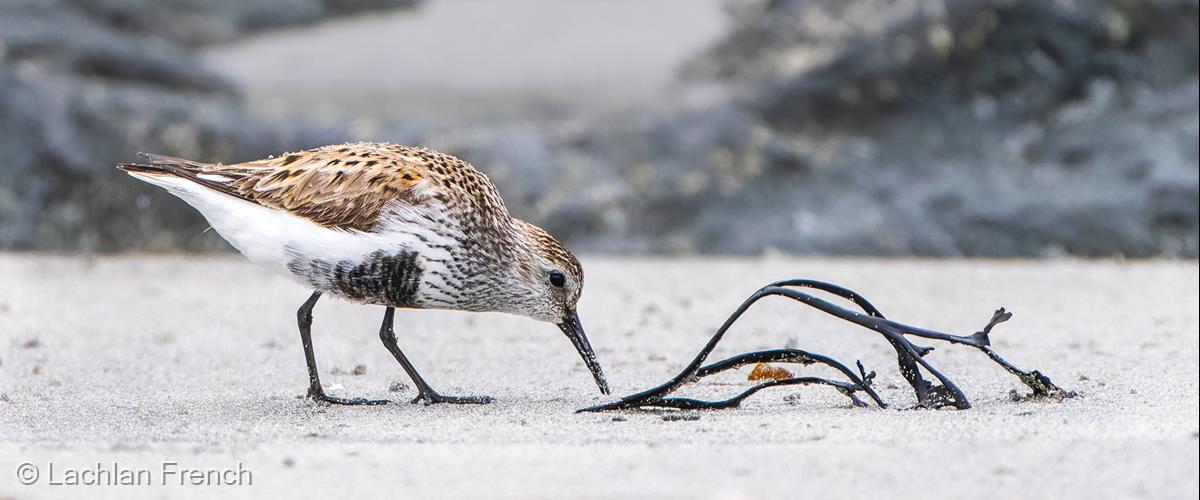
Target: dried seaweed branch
{"x":697,"y":404}
{"x":860,"y":381}
{"x":910,"y":357}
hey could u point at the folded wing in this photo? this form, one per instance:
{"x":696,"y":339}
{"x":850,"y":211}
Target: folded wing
{"x":343,"y":186}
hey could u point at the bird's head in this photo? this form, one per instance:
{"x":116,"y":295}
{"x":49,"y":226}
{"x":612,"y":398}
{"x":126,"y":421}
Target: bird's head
{"x":551,"y":280}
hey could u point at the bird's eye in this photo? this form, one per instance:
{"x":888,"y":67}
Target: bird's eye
{"x":557,"y":279}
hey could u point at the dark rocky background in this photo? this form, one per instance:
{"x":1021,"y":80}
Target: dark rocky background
{"x":871,"y":127}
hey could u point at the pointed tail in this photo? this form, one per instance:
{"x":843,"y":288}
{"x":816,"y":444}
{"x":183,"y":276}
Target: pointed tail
{"x":162,"y":169}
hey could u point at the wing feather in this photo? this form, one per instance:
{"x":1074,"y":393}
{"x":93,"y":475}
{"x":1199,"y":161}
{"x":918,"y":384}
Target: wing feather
{"x":346,"y":186}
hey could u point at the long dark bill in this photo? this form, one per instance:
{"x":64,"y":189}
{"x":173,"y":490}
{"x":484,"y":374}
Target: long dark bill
{"x":571,"y":327}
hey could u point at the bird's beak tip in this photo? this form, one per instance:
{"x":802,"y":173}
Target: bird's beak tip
{"x":573,"y":329}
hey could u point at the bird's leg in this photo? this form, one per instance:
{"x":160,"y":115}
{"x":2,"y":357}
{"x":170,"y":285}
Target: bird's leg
{"x":425,"y":393}
{"x":304,"y":318}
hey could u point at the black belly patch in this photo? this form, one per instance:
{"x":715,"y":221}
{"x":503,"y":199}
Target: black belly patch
{"x":382,"y":278}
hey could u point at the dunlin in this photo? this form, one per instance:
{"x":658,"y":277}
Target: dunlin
{"x":388,"y":225}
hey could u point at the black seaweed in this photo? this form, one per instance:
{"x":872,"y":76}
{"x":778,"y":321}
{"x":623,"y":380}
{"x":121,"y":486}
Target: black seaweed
{"x":910,"y":357}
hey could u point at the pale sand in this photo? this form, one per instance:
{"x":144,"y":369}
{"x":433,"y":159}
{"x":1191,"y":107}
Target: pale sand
{"x":197,"y":360}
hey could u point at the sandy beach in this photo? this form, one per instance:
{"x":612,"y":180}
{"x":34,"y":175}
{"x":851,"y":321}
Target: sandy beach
{"x":133,"y":361}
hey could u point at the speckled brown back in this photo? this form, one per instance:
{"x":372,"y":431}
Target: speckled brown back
{"x":347,"y":186}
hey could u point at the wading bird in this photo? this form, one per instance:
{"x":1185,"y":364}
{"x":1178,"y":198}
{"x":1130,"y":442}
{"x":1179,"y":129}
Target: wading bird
{"x":384,"y":224}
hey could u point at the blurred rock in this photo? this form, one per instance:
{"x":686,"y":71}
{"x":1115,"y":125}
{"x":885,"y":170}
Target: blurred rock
{"x":956,"y":128}
{"x":194,"y":22}
{"x":86,"y":84}
{"x":881,"y":127}
{"x":974,"y":127}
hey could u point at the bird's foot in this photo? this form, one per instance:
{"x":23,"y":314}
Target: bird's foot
{"x":429,"y":397}
{"x":320,"y":397}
